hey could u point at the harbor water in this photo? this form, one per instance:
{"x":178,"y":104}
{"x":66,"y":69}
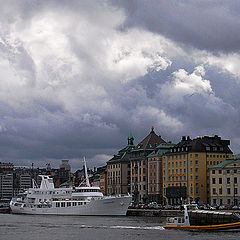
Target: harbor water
{"x":40,"y":227}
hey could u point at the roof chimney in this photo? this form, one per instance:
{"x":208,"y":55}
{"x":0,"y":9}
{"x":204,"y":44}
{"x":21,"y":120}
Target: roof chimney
{"x":183,"y":138}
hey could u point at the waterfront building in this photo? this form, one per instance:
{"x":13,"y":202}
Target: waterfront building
{"x":224,"y":182}
{"x":185,"y":168}
{"x":6,"y":168}
{"x":118,"y":170}
{"x":139,"y":165}
{"x":6,"y":186}
{"x":155,"y":178}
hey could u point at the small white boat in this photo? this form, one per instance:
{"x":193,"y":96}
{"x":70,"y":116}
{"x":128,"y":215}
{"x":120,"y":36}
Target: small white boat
{"x":183,"y":223}
{"x":82,"y":200}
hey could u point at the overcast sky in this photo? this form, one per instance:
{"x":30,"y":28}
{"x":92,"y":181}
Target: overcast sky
{"x":77,"y":76}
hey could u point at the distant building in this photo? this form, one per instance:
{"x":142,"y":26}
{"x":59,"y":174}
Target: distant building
{"x":6,"y":186}
{"x":118,"y":171}
{"x":139,"y":165}
{"x":224,"y":182}
{"x":185,"y":168}
{"x":6,"y":168}
{"x":103,"y":180}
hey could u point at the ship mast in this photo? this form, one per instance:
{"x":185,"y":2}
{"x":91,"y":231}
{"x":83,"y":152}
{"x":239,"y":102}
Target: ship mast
{"x":86,"y":174}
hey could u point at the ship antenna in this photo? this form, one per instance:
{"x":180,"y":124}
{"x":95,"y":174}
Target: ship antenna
{"x":86,"y":174}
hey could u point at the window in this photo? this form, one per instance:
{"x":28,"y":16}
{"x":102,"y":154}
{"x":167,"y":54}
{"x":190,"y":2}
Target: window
{"x":196,"y":162}
{"x":191,"y":163}
{"x":196,"y":170}
{"x":214,"y":191}
{"x":220,"y":171}
{"x":228,"y":171}
{"x":228,"y":190}
{"x":220,"y":180}
{"x":213,"y":171}
{"x":197,"y":177}
{"x":220,"y":190}
{"x":228,"y":180}
{"x":235,"y":191}
{"x":213,"y":181}
{"x":57,"y":204}
{"x":235,"y":170}
{"x":196,"y":155}
{"x":235,"y":180}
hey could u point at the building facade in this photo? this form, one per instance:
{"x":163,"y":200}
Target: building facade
{"x":118,"y":171}
{"x":139,"y":166}
{"x":185,"y":168}
{"x":224,"y":182}
{"x":155,"y":177}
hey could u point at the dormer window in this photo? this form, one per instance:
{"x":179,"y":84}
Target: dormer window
{"x":208,"y":149}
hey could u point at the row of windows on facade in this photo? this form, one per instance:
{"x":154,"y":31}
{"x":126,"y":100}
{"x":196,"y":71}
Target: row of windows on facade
{"x":214,"y":191}
{"x":176,"y":164}
{"x":228,"y":171}
{"x":135,"y":179}
{"x":196,"y":155}
{"x":180,"y":171}
{"x":180,"y":163}
{"x":136,"y":163}
{"x":140,"y":171}
{"x":220,"y":180}
{"x":116,"y":173}
{"x":191,"y":189}
{"x":111,"y":166}
{"x":185,"y":149}
{"x":229,"y":201}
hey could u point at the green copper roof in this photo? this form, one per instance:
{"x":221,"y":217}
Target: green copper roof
{"x":236,"y":158}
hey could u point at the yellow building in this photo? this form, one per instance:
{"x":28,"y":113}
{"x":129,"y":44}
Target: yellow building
{"x":224,"y":182}
{"x":185,"y":175}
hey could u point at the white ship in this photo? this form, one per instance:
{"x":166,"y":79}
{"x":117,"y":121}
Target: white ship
{"x":86,"y":200}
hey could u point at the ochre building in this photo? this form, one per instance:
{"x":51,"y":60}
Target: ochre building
{"x":185,"y":175}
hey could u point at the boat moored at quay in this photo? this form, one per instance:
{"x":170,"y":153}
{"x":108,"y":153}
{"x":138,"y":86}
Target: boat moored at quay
{"x":221,"y":224}
{"x":82,"y":200}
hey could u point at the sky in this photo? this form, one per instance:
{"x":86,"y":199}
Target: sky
{"x":77,"y":77}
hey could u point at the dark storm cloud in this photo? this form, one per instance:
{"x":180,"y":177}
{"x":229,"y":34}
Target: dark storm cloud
{"x":77,"y":77}
{"x":211,"y":25}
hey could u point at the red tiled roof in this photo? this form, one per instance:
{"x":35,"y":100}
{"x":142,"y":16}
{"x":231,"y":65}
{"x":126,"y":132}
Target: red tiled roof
{"x":151,"y":141}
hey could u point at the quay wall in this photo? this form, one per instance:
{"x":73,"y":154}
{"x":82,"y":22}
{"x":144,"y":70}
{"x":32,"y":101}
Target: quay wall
{"x":154,"y":213}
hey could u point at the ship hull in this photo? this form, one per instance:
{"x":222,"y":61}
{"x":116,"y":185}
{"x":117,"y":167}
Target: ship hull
{"x":109,"y":206}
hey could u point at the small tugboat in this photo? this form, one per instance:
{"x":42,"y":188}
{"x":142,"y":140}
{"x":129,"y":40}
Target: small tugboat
{"x":184,"y":223}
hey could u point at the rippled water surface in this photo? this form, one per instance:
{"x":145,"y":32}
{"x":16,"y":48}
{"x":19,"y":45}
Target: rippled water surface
{"x":36,"y":227}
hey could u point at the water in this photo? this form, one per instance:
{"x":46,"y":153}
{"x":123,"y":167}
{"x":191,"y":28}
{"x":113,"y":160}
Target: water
{"x":24,"y":227}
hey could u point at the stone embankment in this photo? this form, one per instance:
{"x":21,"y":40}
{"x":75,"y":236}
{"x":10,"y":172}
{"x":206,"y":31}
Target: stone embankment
{"x":4,"y":210}
{"x":154,"y":213}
